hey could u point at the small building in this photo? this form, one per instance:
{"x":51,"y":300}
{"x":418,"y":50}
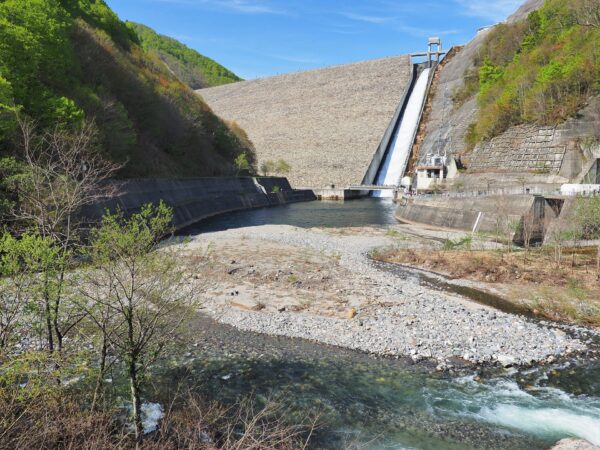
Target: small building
{"x":435,"y":169}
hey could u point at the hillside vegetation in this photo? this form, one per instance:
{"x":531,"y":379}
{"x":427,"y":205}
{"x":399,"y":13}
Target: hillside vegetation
{"x":194,"y":69}
{"x":63,"y":62}
{"x":540,"y":70}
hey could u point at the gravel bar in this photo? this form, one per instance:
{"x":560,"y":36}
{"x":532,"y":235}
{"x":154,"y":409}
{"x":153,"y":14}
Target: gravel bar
{"x":414,"y":321}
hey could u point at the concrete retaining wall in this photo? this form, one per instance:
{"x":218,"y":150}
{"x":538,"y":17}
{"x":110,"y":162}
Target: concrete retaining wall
{"x":193,"y":200}
{"x":472,"y":214}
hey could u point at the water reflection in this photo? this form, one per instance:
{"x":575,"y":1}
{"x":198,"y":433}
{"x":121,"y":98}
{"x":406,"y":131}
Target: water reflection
{"x":354,"y":213}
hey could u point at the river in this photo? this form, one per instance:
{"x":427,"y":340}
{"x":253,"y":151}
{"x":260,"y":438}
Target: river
{"x":385,"y":403}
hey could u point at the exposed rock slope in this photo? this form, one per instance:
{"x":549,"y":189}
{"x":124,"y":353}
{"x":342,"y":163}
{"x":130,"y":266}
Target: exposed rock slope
{"x":447,"y":125}
{"x":561,"y":152}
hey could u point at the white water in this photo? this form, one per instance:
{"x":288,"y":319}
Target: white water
{"x":556,"y":422}
{"x":397,"y":158}
{"x":545,"y":412}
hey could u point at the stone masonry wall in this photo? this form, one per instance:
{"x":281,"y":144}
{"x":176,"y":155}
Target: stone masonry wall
{"x":522,"y":148}
{"x":326,"y":123}
{"x":557,"y":152}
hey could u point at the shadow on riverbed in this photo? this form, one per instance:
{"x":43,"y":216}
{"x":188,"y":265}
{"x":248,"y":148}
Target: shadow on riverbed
{"x":387,"y":403}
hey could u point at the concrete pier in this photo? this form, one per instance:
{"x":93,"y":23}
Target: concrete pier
{"x":339,"y":193}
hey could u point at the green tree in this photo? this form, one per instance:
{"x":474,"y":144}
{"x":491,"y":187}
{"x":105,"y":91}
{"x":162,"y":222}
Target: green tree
{"x":64,"y":61}
{"x":489,"y":74}
{"x":191,"y":67}
{"x":7,"y":109}
{"x":143,"y":289}
{"x":15,"y":285}
{"x":540,"y":70}
{"x":31,"y":268}
{"x":282,"y":167}
{"x":242,"y":164}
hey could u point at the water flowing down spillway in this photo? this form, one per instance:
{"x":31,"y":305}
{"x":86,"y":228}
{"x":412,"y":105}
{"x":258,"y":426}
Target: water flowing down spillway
{"x":394,"y":166}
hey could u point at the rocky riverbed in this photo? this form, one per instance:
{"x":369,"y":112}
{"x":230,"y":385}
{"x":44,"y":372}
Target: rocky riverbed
{"x":319,"y":284}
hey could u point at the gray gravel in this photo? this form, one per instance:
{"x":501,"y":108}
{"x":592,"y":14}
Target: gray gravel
{"x":420,"y":323}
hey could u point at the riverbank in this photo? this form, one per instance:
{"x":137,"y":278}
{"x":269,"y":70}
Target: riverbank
{"x":318,"y":284}
{"x":530,"y":280}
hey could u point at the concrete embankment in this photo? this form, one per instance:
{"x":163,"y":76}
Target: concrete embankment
{"x":477,"y":214}
{"x":196,"y":199}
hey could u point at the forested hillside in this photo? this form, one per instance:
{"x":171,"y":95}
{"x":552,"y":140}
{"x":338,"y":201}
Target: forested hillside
{"x":541,"y":70}
{"x":63,"y":62}
{"x":194,"y":69}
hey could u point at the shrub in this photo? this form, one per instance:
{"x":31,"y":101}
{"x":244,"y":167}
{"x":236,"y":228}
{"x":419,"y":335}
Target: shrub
{"x":540,"y":70}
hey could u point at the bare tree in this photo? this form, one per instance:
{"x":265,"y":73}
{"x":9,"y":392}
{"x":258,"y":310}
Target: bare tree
{"x":64,"y":172}
{"x":522,"y":181}
{"x":102,"y":319}
{"x":505,"y":220}
{"x":141,"y":288}
{"x":587,"y":13}
{"x":560,"y":233}
{"x":267,"y":167}
{"x":528,"y":228}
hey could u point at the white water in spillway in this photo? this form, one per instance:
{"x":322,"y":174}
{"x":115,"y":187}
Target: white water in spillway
{"x":397,"y":157}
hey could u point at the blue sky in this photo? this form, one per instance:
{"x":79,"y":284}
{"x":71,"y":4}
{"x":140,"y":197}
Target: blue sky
{"x":256,"y":38}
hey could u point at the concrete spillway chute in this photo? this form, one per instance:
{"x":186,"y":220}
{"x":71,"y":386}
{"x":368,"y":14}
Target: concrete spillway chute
{"x":391,"y":160}
{"x":398,"y":155}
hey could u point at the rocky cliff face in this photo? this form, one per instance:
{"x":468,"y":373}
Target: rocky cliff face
{"x":560,"y":152}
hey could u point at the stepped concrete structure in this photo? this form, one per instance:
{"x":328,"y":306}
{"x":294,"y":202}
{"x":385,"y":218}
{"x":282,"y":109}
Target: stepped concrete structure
{"x":325,"y":123}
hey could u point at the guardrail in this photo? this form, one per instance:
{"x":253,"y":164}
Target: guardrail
{"x":513,"y":191}
{"x":494,"y":192}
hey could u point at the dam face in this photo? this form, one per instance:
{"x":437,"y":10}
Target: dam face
{"x":325,"y":123}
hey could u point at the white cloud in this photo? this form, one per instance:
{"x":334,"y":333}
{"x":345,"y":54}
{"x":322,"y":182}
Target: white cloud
{"x":496,"y":10}
{"x":237,"y":6}
{"x":368,"y":18}
{"x":425,"y":32}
